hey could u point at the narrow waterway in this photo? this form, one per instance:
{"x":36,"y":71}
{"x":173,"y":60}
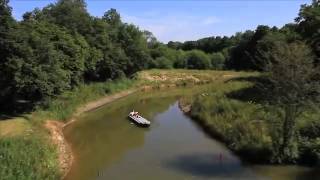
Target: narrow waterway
{"x":107,"y":145}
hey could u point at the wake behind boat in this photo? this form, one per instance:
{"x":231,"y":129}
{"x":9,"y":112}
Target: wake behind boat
{"x":135,"y":117}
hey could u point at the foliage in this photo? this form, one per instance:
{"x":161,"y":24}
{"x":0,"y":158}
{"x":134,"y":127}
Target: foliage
{"x":208,"y":45}
{"x":163,"y":63}
{"x":82,"y":48}
{"x":47,"y":62}
{"x":291,"y":87}
{"x":60,"y":47}
{"x":217,"y":61}
{"x":197,"y":60}
{"x":309,"y":24}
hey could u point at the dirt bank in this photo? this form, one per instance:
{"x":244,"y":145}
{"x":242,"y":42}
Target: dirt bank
{"x":184,"y":106}
{"x":65,"y":156}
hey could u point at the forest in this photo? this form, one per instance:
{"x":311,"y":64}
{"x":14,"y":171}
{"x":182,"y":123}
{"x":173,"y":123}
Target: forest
{"x":56,"y":48}
{"x":61,"y":47}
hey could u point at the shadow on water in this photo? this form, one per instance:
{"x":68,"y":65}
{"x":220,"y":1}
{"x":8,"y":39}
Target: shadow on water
{"x":314,"y":173}
{"x":279,"y":172}
{"x":210,"y":166}
{"x":205,"y":165}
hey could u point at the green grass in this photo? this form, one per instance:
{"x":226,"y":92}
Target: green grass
{"x":27,"y":158}
{"x":14,"y":127}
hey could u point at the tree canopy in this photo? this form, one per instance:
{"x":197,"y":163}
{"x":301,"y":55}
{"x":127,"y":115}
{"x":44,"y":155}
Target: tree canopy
{"x":60,"y":46}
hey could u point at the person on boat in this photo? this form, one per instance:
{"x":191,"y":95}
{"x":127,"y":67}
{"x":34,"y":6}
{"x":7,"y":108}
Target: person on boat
{"x":136,"y":114}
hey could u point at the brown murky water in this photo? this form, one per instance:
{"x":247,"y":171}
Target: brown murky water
{"x":108,"y":146}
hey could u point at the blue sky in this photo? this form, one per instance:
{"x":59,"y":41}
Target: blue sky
{"x":181,"y":20}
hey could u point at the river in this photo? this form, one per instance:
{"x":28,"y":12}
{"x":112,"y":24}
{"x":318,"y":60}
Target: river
{"x":107,"y":145}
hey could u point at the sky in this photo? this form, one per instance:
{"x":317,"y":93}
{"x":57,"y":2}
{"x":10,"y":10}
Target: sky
{"x":182,"y":20}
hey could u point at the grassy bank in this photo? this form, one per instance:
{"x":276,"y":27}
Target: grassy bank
{"x":63,"y":107}
{"x":26,"y":151}
{"x":229,"y":113}
{"x":28,"y":157}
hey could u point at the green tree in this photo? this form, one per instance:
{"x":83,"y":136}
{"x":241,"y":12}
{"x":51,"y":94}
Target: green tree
{"x":291,"y":87}
{"x":217,"y":60}
{"x":112,"y":17}
{"x":135,"y":47}
{"x":174,"y":45}
{"x":7,"y":24}
{"x":238,"y":58}
{"x":197,"y":59}
{"x":151,"y":39}
{"x":71,"y":14}
{"x":163,"y":63}
{"x":309,"y":25}
{"x":46,"y":61}
{"x":6,"y":19}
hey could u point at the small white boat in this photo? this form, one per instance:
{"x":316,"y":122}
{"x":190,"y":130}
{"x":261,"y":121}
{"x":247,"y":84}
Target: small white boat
{"x":135,"y":117}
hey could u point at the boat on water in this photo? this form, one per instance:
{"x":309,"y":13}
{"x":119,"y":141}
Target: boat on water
{"x":139,"y":120}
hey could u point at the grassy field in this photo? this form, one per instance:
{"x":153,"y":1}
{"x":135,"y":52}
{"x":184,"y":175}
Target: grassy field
{"x":176,"y":77}
{"x":28,"y":157}
{"x":25,"y":149}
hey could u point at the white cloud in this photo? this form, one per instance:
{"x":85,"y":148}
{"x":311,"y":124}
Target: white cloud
{"x":176,"y":27}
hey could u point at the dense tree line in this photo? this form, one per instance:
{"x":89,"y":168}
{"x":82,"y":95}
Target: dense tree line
{"x":61,"y":46}
{"x":242,"y":51}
